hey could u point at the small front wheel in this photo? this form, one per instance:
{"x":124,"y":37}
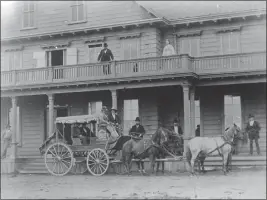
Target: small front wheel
{"x":97,"y":162}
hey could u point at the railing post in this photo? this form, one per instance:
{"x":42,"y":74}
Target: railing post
{"x":14,"y":77}
{"x":185,"y":62}
{"x":50,"y":74}
{"x":113,"y":68}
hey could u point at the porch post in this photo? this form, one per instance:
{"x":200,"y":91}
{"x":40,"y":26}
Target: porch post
{"x":192,"y":110}
{"x":114,"y":98}
{"x":51,"y":114}
{"x":186,"y":115}
{"x":14,"y":128}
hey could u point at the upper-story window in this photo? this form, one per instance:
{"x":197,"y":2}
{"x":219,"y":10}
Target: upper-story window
{"x":28,"y":14}
{"x":12,"y":60}
{"x":230,"y":42}
{"x":78,"y":11}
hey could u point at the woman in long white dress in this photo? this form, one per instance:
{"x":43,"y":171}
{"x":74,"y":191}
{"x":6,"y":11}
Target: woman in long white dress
{"x":168,"y":50}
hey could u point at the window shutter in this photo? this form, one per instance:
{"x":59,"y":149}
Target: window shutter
{"x":234,"y":40}
{"x":6,"y":62}
{"x":225,"y":47}
{"x":17,"y":59}
{"x":194,"y":47}
{"x":40,"y":59}
{"x":185,"y":47}
{"x":93,"y":54}
{"x":71,"y":56}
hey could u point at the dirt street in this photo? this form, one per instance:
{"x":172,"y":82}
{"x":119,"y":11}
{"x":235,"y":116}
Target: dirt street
{"x":241,"y":184}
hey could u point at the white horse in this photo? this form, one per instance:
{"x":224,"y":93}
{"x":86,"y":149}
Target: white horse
{"x":199,"y":148}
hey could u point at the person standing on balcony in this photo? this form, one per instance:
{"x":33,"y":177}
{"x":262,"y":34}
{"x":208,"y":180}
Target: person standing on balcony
{"x":253,"y":128}
{"x":105,"y":55}
{"x":168,"y":50}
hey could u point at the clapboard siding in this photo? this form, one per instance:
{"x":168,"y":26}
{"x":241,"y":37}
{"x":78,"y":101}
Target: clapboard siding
{"x":55,"y":16}
{"x":32,"y":129}
{"x":211,"y":108}
{"x":252,"y":36}
{"x":149,"y":45}
{"x":254,"y":101}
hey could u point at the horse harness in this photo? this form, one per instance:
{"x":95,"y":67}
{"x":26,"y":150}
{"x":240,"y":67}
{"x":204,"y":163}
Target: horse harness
{"x":219,"y":147}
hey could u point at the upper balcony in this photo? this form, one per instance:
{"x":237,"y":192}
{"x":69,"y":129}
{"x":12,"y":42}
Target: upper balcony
{"x":133,"y":69}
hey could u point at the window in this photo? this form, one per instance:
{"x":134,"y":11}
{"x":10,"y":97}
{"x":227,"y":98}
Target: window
{"x":230,"y":42}
{"x":190,"y":46}
{"x":130,"y":48}
{"x":232,"y":110}
{"x":13,"y":60}
{"x":78,"y":11}
{"x":94,"y":107}
{"x":28,"y":14}
{"x":94,"y":51}
{"x":131,"y":111}
{"x":56,"y":57}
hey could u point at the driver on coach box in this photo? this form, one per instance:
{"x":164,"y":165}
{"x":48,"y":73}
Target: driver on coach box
{"x":137,"y":128}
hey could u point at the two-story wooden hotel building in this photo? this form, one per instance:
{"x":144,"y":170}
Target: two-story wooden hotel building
{"x":49,"y":65}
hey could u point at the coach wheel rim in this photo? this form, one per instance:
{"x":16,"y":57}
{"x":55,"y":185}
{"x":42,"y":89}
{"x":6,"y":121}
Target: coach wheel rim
{"x":58,"y":159}
{"x":97,"y":162}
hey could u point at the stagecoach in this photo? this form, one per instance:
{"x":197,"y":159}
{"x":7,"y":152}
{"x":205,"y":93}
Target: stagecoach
{"x":65,"y":152}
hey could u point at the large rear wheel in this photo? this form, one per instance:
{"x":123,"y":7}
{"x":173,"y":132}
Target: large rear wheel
{"x":97,"y":162}
{"x":58,"y":159}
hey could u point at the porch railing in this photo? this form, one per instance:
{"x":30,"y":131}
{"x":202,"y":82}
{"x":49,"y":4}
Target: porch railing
{"x":136,"y":68}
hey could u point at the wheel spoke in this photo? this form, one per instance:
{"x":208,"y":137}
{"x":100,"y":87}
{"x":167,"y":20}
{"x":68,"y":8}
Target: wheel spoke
{"x":102,"y":168}
{"x":61,"y":167}
{"x":103,"y":163}
{"x":91,"y":164}
{"x":52,"y":153}
{"x":66,"y":162}
{"x":92,"y":157}
{"x":54,"y":167}
{"x":65,"y":165}
{"x":55,"y":149}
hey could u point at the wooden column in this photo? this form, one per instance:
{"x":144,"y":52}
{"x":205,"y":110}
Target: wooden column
{"x":51,"y":114}
{"x":13,"y":125}
{"x":114,"y":99}
{"x":187,"y":129}
{"x":192,"y":110}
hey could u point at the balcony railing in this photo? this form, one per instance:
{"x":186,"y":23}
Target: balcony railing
{"x":136,"y":68}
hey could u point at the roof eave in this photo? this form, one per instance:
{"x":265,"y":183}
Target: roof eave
{"x":98,"y":28}
{"x":217,"y":17}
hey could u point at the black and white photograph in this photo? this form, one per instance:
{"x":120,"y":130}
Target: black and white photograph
{"x":133,"y":99}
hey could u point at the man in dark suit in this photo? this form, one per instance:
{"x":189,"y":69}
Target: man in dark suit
{"x":197,"y":132}
{"x":137,"y":128}
{"x":177,"y":128}
{"x":253,"y":128}
{"x":105,"y":55}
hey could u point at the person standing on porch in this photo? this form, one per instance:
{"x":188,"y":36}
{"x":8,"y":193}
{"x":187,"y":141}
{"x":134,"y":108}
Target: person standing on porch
{"x":253,"y":128}
{"x":105,"y":55}
{"x":137,"y":128}
{"x":177,"y":128}
{"x":197,"y":132}
{"x":6,"y":138}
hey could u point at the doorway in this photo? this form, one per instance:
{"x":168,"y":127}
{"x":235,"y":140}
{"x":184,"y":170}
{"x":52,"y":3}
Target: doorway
{"x":56,"y":58}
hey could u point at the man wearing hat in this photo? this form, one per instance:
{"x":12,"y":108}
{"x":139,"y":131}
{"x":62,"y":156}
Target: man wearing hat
{"x":105,"y":55}
{"x":253,"y":128}
{"x":137,"y":128}
{"x":177,"y":128}
{"x":114,"y":118}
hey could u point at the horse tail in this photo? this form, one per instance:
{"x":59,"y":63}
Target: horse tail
{"x":188,"y":154}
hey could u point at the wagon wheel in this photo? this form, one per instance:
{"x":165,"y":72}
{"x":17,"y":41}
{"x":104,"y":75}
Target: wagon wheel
{"x":58,"y":159}
{"x":97,"y":162}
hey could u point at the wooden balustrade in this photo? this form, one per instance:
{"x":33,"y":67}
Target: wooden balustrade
{"x":230,"y":63}
{"x":136,"y":68}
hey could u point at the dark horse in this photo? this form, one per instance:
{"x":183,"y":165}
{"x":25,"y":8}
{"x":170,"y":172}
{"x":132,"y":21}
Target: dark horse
{"x":199,"y":148}
{"x":145,"y":148}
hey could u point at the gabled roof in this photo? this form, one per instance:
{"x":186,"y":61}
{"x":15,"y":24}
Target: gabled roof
{"x":178,"y":10}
